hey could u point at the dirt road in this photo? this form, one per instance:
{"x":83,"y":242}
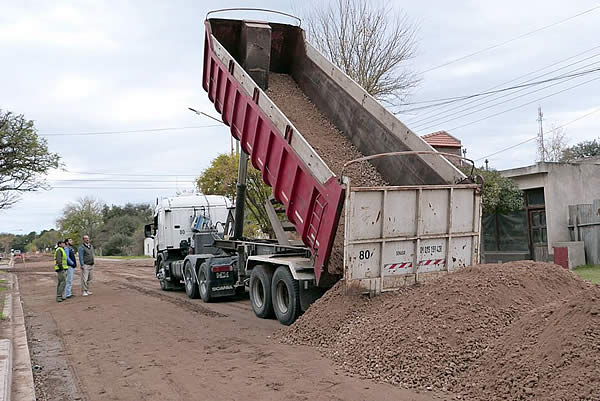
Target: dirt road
{"x":132,"y":341}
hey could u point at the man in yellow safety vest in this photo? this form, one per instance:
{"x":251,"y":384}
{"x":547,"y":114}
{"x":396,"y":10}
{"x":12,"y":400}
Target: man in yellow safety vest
{"x":60,"y":266}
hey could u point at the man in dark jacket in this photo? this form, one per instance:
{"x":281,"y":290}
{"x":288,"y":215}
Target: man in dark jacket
{"x":72,"y":262}
{"x":86,"y":261}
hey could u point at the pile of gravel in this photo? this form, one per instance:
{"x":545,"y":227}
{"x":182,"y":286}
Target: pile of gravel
{"x":330,"y":144}
{"x":446,"y":335}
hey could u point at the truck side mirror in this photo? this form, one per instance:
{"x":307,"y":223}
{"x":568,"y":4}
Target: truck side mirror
{"x":148,"y":231}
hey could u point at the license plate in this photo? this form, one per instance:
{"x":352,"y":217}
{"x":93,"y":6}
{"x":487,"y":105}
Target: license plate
{"x":222,"y":274}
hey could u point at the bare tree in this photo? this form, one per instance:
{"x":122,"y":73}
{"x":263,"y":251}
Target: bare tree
{"x":552,"y":147}
{"x":369,"y":41}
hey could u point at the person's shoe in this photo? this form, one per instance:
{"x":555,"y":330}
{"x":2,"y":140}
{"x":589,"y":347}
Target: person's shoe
{"x":67,"y":297}
{"x":89,"y":292}
{"x":59,"y":299}
{"x":85,"y":294}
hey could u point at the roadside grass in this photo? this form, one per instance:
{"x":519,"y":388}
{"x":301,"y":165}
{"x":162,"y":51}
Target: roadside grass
{"x":3,"y":288}
{"x":126,"y":257}
{"x":589,"y":273}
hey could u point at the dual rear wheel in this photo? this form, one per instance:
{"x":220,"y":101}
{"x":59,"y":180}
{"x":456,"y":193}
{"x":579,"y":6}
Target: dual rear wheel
{"x":275,"y":293}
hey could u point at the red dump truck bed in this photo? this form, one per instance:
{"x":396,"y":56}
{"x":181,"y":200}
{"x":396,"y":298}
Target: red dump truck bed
{"x":312,"y":194}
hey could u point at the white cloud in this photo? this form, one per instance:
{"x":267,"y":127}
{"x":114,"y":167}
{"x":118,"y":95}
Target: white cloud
{"x":60,"y":26}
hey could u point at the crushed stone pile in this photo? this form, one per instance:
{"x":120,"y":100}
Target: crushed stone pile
{"x":442,"y":336}
{"x":330,"y":144}
{"x":550,"y":353}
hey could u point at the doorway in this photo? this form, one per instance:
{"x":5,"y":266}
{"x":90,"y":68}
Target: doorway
{"x":538,"y":231}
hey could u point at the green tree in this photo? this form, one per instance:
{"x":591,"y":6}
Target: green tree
{"x":47,"y":239}
{"x":6,"y":241}
{"x":500,"y":194}
{"x":81,"y":218}
{"x":581,"y":150}
{"x":24,"y":158}
{"x":122,"y":231}
{"x":20,"y":241}
{"x":220,"y":178}
{"x":118,"y":244}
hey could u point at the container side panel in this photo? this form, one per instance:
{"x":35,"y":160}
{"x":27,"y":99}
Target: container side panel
{"x":401,"y":210}
{"x":398,"y":257}
{"x":364,"y":260}
{"x":463,"y":203}
{"x":461,"y":252}
{"x":384,"y":257}
{"x":366,"y":216}
{"x":434,"y":211}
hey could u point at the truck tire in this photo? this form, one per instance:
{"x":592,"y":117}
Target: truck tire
{"x":164,"y":284}
{"x":204,"y":283}
{"x":189,"y":278}
{"x":286,"y":296}
{"x":260,"y":292}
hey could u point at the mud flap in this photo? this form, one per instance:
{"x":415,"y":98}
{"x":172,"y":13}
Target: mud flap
{"x":309,"y":293}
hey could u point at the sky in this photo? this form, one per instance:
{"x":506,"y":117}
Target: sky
{"x":89,"y":67}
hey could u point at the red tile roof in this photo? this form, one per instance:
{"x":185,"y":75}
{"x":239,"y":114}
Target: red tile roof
{"x":443,"y":139}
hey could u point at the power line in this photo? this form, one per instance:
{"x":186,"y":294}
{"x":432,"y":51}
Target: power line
{"x":118,"y":180}
{"x":132,"y":131}
{"x":511,"y":40}
{"x":134,"y":175}
{"x":448,"y":100}
{"x":438,"y":109}
{"x":124,"y":188}
{"x":535,"y":137}
{"x":508,"y":148}
{"x":524,"y":104}
{"x":463,"y":113}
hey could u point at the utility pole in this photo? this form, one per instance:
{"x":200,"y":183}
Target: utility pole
{"x":541,"y":133}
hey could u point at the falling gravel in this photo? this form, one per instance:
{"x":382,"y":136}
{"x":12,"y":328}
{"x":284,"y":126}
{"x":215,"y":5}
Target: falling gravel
{"x":330,"y":144}
{"x":448,"y":334}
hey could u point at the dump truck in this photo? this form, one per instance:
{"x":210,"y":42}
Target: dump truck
{"x":424,"y":222}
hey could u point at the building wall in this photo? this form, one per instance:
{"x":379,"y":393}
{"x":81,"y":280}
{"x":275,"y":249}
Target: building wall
{"x":451,"y":150}
{"x":564,"y":184}
{"x":568,"y":184}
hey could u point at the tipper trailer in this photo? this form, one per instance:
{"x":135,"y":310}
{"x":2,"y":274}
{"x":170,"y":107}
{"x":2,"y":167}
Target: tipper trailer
{"x":426,"y":222}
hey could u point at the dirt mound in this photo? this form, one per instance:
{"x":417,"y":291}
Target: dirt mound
{"x":37,"y":258}
{"x":331,"y":144}
{"x":430,"y":336}
{"x":551,"y":353}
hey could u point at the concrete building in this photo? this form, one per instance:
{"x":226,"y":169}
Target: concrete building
{"x":445,"y":143}
{"x":549,"y":190}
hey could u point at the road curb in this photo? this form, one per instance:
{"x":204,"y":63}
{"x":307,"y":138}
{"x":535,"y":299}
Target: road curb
{"x":22,"y":385}
{"x":8,"y":306}
{"x":5,"y":369}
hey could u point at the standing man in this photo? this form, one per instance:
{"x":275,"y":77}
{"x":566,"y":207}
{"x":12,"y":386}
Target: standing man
{"x":60,"y":265}
{"x":86,"y":260}
{"x":72,"y":262}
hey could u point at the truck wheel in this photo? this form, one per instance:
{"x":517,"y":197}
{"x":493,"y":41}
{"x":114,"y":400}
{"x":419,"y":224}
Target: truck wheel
{"x":260,"y":292}
{"x":286,"y":296}
{"x":204,"y":283}
{"x":164,"y":284}
{"x":191,"y":286}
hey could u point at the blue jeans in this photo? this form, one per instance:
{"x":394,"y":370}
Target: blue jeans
{"x":70,"y":273}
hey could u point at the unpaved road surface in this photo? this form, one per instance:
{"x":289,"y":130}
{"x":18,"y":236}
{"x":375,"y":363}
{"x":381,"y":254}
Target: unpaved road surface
{"x":132,"y":341}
